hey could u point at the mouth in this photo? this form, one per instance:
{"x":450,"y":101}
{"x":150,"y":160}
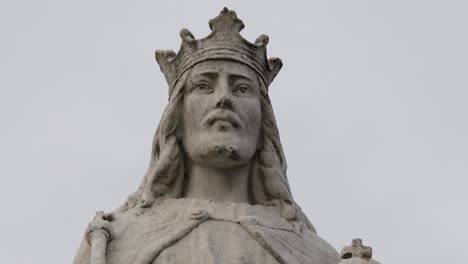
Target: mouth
{"x":226,"y":117}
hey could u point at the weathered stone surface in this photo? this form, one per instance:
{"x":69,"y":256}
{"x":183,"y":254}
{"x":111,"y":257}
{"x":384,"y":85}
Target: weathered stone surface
{"x":216,"y":189}
{"x":357,"y":253}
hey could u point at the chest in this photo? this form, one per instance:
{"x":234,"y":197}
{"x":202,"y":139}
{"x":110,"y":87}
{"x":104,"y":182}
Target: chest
{"x":216,"y":242}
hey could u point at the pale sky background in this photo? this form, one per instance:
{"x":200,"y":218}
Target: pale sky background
{"x":372,"y":106}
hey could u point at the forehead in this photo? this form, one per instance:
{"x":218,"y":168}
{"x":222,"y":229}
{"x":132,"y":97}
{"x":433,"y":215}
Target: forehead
{"x":224,"y":67}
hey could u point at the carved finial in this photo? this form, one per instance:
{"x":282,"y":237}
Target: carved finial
{"x":262,"y":40}
{"x":357,"y":249}
{"x":186,"y":35}
{"x":226,"y":21}
{"x":357,"y":253}
{"x":275,"y":65}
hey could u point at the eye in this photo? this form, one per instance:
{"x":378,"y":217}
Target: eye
{"x":202,"y":86}
{"x":242,"y":89}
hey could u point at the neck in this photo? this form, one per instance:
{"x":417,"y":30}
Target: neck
{"x":219,"y":184}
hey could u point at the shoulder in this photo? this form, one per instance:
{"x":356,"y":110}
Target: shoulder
{"x":139,"y":233}
{"x":83,"y":255}
{"x":123,"y":227}
{"x":330,"y":255}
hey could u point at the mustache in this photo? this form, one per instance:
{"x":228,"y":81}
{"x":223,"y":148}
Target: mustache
{"x":224,"y":115}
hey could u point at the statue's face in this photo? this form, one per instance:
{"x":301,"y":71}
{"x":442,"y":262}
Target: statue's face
{"x":221,"y":114}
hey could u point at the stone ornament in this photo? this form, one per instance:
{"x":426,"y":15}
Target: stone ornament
{"x":216,"y":189}
{"x":357,"y":253}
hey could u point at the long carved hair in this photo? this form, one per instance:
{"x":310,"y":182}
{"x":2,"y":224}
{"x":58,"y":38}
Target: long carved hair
{"x":166,"y":171}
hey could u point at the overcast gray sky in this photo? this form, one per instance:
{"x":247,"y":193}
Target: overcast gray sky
{"x":372,"y":106}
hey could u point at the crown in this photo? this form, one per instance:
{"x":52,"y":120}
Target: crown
{"x":224,"y":42}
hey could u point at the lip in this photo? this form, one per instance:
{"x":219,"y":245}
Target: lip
{"x":224,"y":116}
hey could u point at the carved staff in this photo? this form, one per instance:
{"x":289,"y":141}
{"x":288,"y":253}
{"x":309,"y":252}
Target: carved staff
{"x":98,"y":234}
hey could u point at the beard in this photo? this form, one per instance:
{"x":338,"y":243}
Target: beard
{"x":221,"y":150}
{"x":217,"y":151}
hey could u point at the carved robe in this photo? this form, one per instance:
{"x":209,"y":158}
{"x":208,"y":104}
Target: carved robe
{"x":191,"y":231}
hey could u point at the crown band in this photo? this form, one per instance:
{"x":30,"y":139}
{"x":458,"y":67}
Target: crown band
{"x":223,"y":51}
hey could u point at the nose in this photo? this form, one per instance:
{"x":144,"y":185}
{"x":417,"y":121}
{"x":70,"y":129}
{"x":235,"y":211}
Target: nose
{"x":224,"y":95}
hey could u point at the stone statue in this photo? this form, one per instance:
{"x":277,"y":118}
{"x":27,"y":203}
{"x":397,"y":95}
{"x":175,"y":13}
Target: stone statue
{"x":216,"y":189}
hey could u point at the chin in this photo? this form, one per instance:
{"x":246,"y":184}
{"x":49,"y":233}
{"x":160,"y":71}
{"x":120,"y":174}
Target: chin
{"x":222,"y":150}
{"x":224,"y":155}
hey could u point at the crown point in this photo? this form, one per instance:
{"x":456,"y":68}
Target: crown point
{"x":274,"y":61}
{"x":186,"y":35}
{"x":226,"y":20}
{"x":275,"y":65}
{"x":167,"y":55}
{"x":262,"y":40}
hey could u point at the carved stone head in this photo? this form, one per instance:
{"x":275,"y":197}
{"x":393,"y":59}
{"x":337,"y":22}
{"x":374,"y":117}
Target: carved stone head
{"x":219,"y":114}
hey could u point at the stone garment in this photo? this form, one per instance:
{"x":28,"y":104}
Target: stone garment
{"x":216,"y":242}
{"x":191,"y":231}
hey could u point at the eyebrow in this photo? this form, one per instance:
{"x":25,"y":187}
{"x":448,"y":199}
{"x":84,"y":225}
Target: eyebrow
{"x":239,"y":76}
{"x":213,"y":74}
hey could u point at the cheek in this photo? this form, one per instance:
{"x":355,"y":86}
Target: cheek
{"x":253,"y":115}
{"x":194,"y":112}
